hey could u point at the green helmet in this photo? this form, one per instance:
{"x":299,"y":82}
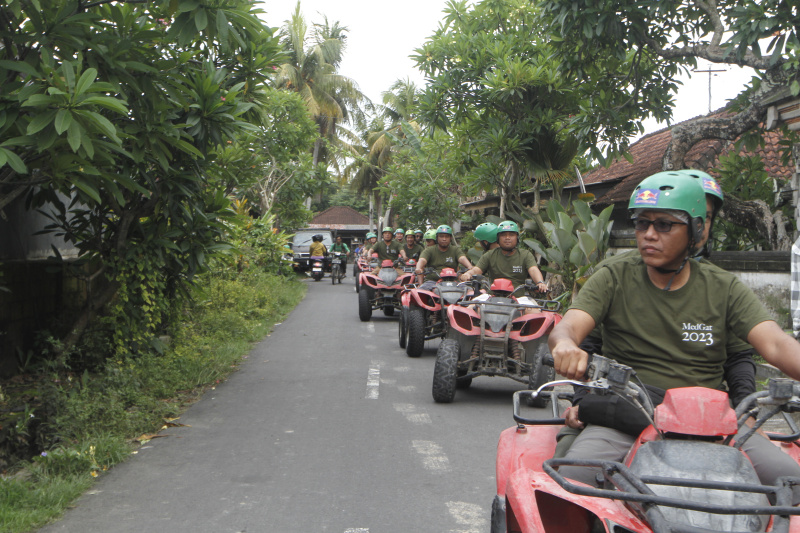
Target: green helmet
{"x":418,"y":231}
{"x":410,"y":232}
{"x":371,"y":235}
{"x":486,"y":232}
{"x":430,"y":235}
{"x":444,"y":228}
{"x":508,"y":225}
{"x":387,"y":228}
{"x":670,"y":190}
{"x":399,"y":230}
{"x":709,"y":184}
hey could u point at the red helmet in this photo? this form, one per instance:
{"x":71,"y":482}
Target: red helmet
{"x":411,"y":262}
{"x":502,"y":285}
{"x":375,"y":255}
{"x":447,"y":273}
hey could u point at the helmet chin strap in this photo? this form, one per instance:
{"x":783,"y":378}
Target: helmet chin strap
{"x":689,"y":252}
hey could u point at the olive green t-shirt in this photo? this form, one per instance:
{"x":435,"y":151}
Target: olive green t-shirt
{"x":734,"y":344}
{"x":413,"y":252}
{"x":495,"y":264}
{"x":671,"y":338}
{"x":437,"y":259}
{"x":391,"y":252}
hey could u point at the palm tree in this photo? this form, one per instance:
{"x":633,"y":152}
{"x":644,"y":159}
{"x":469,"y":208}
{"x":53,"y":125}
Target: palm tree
{"x":373,"y":155}
{"x":313,"y":58}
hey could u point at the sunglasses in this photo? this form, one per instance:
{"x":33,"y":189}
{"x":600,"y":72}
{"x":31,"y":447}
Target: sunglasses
{"x":661,"y":226}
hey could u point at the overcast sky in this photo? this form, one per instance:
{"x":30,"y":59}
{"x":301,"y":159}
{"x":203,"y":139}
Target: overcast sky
{"x":383,"y":35}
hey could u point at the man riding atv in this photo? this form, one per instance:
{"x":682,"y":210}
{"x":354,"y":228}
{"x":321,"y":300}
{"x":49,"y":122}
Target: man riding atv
{"x":430,"y":238}
{"x":369,"y":243}
{"x":418,"y":233}
{"x":669,"y":317}
{"x":508,"y":262}
{"x":399,"y":235}
{"x":444,"y":254}
{"x":388,"y":249}
{"x":739,"y":368}
{"x":486,"y":235}
{"x":411,"y":248}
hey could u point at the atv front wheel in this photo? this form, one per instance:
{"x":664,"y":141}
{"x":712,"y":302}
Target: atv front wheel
{"x":540,"y":374}
{"x":463,"y":382}
{"x":364,"y":305}
{"x":444,"y":371}
{"x":416,"y":332}
{"x":402,"y":327}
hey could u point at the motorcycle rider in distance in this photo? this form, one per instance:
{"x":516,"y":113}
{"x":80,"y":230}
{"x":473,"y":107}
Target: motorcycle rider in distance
{"x":486,"y":235}
{"x":341,"y":247}
{"x":399,"y":235}
{"x":370,"y":240}
{"x":669,"y":317}
{"x":430,"y":238}
{"x":418,"y":236}
{"x":411,"y":247}
{"x":389,"y":249}
{"x":317,"y":249}
{"x":444,"y":254}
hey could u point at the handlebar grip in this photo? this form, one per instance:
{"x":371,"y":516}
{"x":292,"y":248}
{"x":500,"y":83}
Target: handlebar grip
{"x":547,"y":360}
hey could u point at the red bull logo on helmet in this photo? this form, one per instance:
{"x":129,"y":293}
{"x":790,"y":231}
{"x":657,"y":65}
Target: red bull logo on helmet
{"x":710,"y":184}
{"x":646,"y":197}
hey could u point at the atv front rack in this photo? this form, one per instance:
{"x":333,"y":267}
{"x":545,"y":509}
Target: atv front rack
{"x":634,"y":489}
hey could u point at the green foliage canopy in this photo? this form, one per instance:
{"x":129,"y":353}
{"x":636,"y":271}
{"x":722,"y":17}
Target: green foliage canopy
{"x":115,"y":115}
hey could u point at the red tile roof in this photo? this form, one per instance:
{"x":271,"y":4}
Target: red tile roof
{"x":340,"y":214}
{"x":648,"y":153}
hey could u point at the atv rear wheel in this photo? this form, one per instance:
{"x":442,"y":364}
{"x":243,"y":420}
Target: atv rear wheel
{"x":364,"y":305}
{"x":388,"y":310}
{"x":402,"y":327}
{"x":416,"y":332}
{"x":540,"y":374}
{"x":444,"y":371}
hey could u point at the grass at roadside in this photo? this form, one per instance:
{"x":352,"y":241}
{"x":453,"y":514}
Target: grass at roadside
{"x":92,"y":420}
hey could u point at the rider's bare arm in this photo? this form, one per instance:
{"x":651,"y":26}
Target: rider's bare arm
{"x":403,"y":255}
{"x":569,"y":360}
{"x":778,"y":348}
{"x":464,"y":261}
{"x":537,"y":277}
{"x":474,"y":271}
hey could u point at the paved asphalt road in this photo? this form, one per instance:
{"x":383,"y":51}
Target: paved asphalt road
{"x":327,"y":427}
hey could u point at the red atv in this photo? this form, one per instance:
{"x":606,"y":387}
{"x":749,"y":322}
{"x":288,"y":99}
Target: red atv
{"x":681,"y":475}
{"x":362,"y":264}
{"x":383,"y":291}
{"x":494,"y":337}
{"x":424,"y":313}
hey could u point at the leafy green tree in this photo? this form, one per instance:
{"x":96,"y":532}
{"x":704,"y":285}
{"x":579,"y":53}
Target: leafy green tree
{"x":577,"y":240}
{"x":114,"y":114}
{"x":629,"y":53}
{"x":392,"y":129}
{"x":421,"y":184}
{"x":493,"y":84}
